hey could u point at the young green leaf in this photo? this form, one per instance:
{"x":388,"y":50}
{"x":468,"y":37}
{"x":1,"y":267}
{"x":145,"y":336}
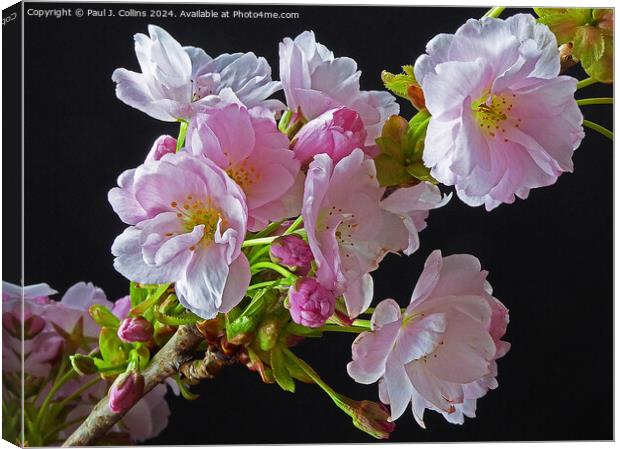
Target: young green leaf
{"x":112,"y":349}
{"x":280,"y":370}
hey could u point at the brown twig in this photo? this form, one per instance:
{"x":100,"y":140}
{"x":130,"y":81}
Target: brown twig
{"x":164,"y":364}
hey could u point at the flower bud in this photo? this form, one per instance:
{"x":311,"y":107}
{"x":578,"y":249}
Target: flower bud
{"x":292,"y":251}
{"x":126,"y":390}
{"x":268,"y":333}
{"x":336,"y":132}
{"x":311,"y":304}
{"x":135,"y":329}
{"x":102,"y":316}
{"x":370,"y":417}
{"x":163,"y":145}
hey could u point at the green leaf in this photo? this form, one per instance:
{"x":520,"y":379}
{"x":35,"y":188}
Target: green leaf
{"x":297,"y":373}
{"x":303,"y":331}
{"x":103,"y":316}
{"x":143,"y":354}
{"x":390,"y":172}
{"x":109,"y":369}
{"x":419,"y":171}
{"x":588,"y":45}
{"x":280,"y":370}
{"x":186,"y":317}
{"x":242,"y":325}
{"x":542,"y":12}
{"x":137,"y":293}
{"x":112,"y":349}
{"x":83,"y":364}
{"x":603,"y":69}
{"x":268,"y":332}
{"x":188,"y":395}
{"x":152,"y":298}
{"x":399,"y":84}
{"x":564,"y":23}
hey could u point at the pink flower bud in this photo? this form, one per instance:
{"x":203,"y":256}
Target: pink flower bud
{"x":126,"y":390}
{"x":336,"y":132}
{"x":294,"y":252}
{"x":135,"y":329}
{"x":163,"y":145}
{"x":371,"y":417}
{"x":311,"y":304}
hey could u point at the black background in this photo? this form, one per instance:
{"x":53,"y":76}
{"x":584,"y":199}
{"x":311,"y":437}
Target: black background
{"x":550,"y":257}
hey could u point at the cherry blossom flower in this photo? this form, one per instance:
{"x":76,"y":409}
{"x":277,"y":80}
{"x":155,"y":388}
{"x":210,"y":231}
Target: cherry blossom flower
{"x":176,"y":81}
{"x":503,"y":121}
{"x":163,"y":145}
{"x":41,"y":344}
{"x":336,"y":132}
{"x":350,"y":228}
{"x":315,"y":82}
{"x":194,"y":221}
{"x":255,"y":155}
{"x":441,"y":352}
{"x":73,"y":307}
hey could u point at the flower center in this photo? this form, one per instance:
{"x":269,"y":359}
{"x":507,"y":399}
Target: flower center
{"x":243,"y":174}
{"x":196,"y":211}
{"x":493,"y":113}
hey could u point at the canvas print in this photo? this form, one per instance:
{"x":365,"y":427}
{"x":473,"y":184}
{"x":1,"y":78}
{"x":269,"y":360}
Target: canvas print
{"x":236,"y":224}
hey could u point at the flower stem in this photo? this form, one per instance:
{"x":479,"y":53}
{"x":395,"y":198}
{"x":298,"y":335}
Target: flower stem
{"x":272,"y":266}
{"x":494,"y":12}
{"x":589,"y":101}
{"x":48,"y":399}
{"x":62,"y":426}
{"x":257,"y":255}
{"x":362,"y":323}
{"x":585,"y":82}
{"x":598,"y":128}
{"x":260,"y":241}
{"x":182,"y":132}
{"x":269,"y":229}
{"x":262,"y":285}
{"x":312,"y":375}
{"x":294,"y":225}
{"x":79,"y":391}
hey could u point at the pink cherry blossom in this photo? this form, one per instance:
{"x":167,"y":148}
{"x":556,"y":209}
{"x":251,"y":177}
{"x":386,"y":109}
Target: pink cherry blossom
{"x":123,"y":200}
{"x":255,"y":154}
{"x":351,"y":228}
{"x":163,"y":145}
{"x":42,"y":343}
{"x":194,"y":221}
{"x":336,"y":132}
{"x":315,"y":82}
{"x":177,"y":81}
{"x":121,"y":307}
{"x":441,"y":352}
{"x":149,"y":416}
{"x":503,"y":121}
